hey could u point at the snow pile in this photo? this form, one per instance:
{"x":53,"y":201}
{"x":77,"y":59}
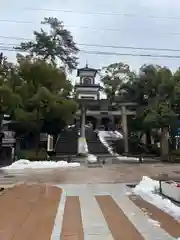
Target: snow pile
{"x":71,"y":126}
{"x":113,"y":135}
{"x":102,"y":137}
{"x":148,"y":189}
{"x":86,"y":150}
{"x":128,"y":158}
{"x":23,"y":164}
{"x":118,"y":134}
{"x":91,"y":158}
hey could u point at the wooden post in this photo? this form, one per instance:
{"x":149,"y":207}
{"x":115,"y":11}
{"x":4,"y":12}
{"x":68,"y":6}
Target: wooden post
{"x":140,"y":159}
{"x":162,"y":177}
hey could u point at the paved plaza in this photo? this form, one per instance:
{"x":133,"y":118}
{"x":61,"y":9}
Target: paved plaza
{"x":121,"y":173}
{"x":80,"y":211}
{"x":82,"y":204}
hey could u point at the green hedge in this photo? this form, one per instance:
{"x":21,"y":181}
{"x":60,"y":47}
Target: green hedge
{"x":32,"y":155}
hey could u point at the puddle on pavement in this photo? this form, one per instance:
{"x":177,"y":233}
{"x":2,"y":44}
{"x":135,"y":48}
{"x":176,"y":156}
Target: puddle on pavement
{"x":94,"y":166}
{"x":8,"y":176}
{"x":177,"y":172}
{"x":131,"y":185}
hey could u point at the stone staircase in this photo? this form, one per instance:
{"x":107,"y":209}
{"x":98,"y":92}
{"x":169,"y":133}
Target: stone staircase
{"x":94,"y":145}
{"x":67,"y":142}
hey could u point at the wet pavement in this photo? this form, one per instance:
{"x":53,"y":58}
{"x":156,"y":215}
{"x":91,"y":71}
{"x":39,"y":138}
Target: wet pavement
{"x":103,"y":188}
{"x":78,"y":211}
{"x":121,"y":173}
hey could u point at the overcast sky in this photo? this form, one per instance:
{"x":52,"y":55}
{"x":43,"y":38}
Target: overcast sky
{"x":129,"y":18}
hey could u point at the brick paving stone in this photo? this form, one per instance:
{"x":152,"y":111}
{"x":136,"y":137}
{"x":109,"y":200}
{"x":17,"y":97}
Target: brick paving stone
{"x":168,"y":223}
{"x":94,"y":224}
{"x":28,"y":212}
{"x":15,"y":206}
{"x":140,"y":220}
{"x":40,"y":221}
{"x":72,"y":228}
{"x":119,"y":224}
{"x":56,"y":232}
{"x":82,"y":211}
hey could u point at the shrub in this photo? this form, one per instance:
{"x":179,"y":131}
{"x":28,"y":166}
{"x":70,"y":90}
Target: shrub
{"x":176,"y":152}
{"x":32,"y":155}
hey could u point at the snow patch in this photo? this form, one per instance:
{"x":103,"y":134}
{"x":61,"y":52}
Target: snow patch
{"x":91,"y":158}
{"x":113,"y":135}
{"x":148,"y":189}
{"x":128,"y":158}
{"x":102,"y":137}
{"x":23,"y":164}
{"x":118,"y":134}
{"x":128,"y":193}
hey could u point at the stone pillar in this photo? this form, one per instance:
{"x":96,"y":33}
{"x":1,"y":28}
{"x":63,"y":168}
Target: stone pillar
{"x":83,"y":122}
{"x":125,"y":128}
{"x":78,"y":122}
{"x":82,"y":144}
{"x":50,"y":144}
{"x":98,"y":123}
{"x":112,"y":124}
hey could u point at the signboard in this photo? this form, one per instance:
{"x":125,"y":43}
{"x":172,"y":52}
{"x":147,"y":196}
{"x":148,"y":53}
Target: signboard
{"x":8,"y":139}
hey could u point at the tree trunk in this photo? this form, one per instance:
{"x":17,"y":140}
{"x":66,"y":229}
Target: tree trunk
{"x":148,"y":138}
{"x":37,"y":140}
{"x":17,"y":146}
{"x":37,"y":135}
{"x":165,"y":144}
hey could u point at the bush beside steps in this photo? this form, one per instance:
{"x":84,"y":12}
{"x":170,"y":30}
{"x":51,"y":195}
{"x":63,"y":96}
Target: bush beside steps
{"x":32,"y":155}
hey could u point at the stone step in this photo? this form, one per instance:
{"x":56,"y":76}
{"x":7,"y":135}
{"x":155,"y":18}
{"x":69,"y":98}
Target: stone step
{"x":96,"y":147}
{"x":93,"y":165}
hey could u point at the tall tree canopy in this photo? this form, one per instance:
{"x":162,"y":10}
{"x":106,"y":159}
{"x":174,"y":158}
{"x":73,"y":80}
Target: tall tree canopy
{"x":155,"y":89}
{"x":35,"y":90}
{"x":113,"y":78}
{"x":55,"y":45}
{"x":9,"y":98}
{"x":44,"y":91}
{"x":36,"y":94}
